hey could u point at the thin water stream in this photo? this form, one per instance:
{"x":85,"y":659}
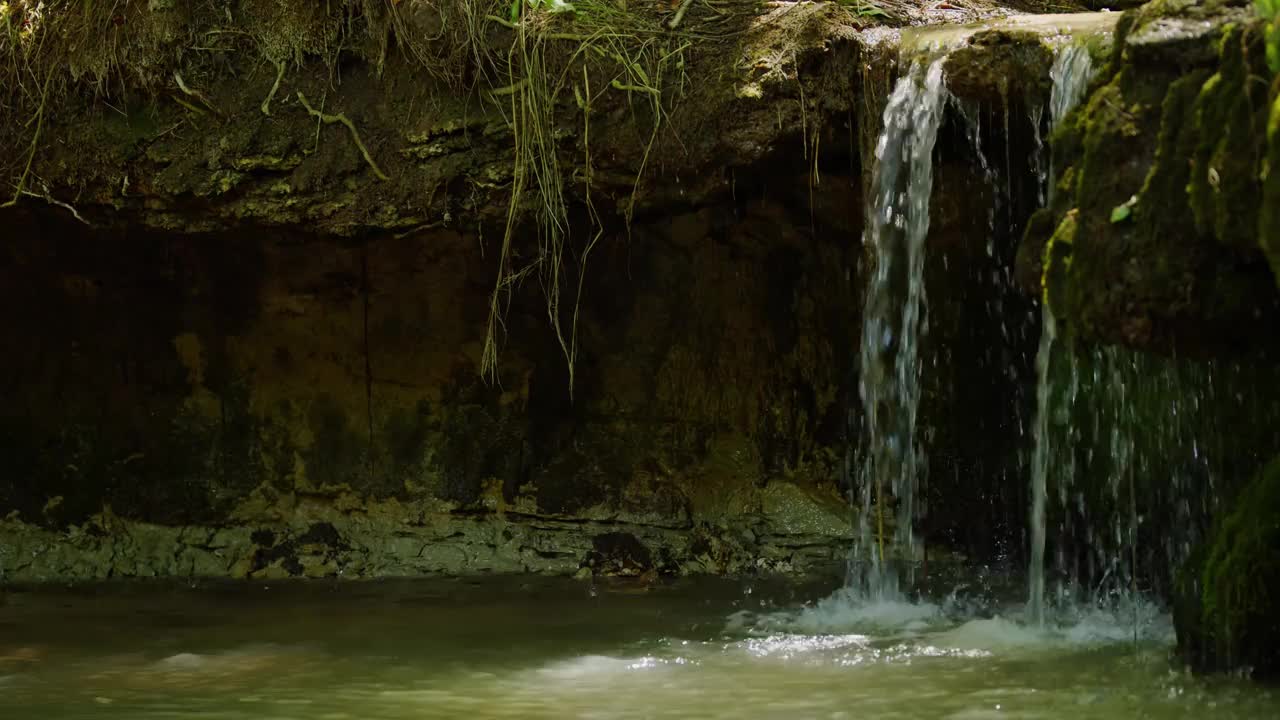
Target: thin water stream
{"x":897,"y":226}
{"x":1071,"y":72}
{"x":538,"y":648}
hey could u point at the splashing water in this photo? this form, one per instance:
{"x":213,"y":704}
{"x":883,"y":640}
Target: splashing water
{"x":898,"y":222}
{"x":1070,"y":74}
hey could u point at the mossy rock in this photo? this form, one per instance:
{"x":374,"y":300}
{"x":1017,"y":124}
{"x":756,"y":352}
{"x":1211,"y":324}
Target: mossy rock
{"x":999,"y":64}
{"x":1269,"y":217}
{"x":1166,"y":166}
{"x":1227,"y":610}
{"x":1225,"y":164}
{"x":1180,"y":33}
{"x":1029,"y":262}
{"x":1057,"y":261}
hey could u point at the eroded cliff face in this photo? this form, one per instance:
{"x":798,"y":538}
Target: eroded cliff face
{"x":360,"y":116}
{"x":268,"y":402}
{"x":249,"y":320}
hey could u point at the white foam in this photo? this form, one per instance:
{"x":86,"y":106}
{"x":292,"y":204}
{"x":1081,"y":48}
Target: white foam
{"x":846,"y":612}
{"x":183,"y":661}
{"x":845,"y":619}
{"x":589,"y":666}
{"x":1102,"y":626}
{"x":994,"y":633}
{"x":787,"y":645}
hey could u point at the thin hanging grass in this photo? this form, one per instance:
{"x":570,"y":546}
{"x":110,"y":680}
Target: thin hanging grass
{"x":636,"y":66}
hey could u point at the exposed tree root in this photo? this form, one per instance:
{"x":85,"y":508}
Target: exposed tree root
{"x":355,"y":134}
{"x":266,"y":104}
{"x":675,"y":21}
{"x":54,"y":201}
{"x":195,"y":94}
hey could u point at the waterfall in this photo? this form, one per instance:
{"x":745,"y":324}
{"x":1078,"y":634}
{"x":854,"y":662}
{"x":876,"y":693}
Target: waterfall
{"x":1130,"y":443}
{"x":1071,"y":72}
{"x":897,"y":224}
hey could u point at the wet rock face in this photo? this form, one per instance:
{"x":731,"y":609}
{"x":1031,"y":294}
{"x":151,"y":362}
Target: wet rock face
{"x":273,"y":404}
{"x":1161,"y":224}
{"x":997,"y":65}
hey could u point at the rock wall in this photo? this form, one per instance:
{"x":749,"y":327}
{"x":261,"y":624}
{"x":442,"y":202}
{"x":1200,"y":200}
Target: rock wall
{"x":261,"y":358}
{"x":266,"y":402}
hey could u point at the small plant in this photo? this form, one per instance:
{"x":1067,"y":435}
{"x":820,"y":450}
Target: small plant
{"x":867,"y":8}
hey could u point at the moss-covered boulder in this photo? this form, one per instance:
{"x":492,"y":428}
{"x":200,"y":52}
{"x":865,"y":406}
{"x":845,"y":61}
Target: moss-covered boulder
{"x":1164,"y":169}
{"x":1227,"y":611}
{"x":996,"y":64}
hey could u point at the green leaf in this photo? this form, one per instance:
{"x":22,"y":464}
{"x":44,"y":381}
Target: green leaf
{"x":1121,"y":213}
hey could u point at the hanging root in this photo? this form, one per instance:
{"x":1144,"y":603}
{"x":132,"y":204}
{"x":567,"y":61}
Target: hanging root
{"x":266,"y":104}
{"x":584,"y":102}
{"x":355,"y":134}
{"x":54,"y":201}
{"x":195,"y":94}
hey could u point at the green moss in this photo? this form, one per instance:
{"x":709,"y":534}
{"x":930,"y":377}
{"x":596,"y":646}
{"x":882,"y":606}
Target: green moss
{"x":1029,"y":262}
{"x":1164,"y":165}
{"x":276,"y":163}
{"x":1231,"y":111}
{"x":1057,"y":262}
{"x":1163,"y":196}
{"x":1115,"y":150}
{"x":1269,"y":217}
{"x":1110,"y":128}
{"x":1240,"y":581}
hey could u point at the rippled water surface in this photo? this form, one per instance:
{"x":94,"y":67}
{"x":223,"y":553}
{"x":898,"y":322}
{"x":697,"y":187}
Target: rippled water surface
{"x":533,"y":648}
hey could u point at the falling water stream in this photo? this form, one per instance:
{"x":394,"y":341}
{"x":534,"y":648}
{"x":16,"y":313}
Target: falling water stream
{"x":1071,"y":72}
{"x":897,"y":225}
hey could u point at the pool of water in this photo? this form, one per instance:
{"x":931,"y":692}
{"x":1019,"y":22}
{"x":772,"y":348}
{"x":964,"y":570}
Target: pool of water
{"x":539,"y":648}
